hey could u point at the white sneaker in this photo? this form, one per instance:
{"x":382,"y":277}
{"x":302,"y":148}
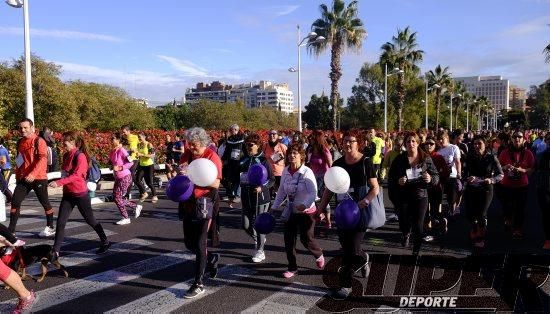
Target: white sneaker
{"x":123,"y":221}
{"x":47,"y":232}
{"x":258,"y":257}
{"x":138,"y":210}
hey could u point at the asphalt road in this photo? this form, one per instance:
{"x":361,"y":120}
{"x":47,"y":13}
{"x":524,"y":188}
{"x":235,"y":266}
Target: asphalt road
{"x":148,"y":268}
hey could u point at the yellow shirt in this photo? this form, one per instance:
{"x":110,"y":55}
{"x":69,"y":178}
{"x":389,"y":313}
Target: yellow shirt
{"x":144,"y":150}
{"x":133,"y":141}
{"x":377,"y":158}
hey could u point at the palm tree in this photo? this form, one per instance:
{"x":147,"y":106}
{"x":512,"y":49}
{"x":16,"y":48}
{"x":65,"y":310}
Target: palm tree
{"x":401,"y":52}
{"x":441,"y":77}
{"x":546,"y":51}
{"x":459,"y":89}
{"x":342,"y":29}
{"x":483,"y":104}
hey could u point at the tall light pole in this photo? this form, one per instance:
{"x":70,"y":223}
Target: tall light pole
{"x":435,"y":86}
{"x":302,"y":43}
{"x":453,"y":96}
{"x":386,"y":75}
{"x":29,"y":111}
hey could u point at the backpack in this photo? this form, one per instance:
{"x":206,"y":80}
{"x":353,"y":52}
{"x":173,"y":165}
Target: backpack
{"x":94,"y":172}
{"x":49,"y":154}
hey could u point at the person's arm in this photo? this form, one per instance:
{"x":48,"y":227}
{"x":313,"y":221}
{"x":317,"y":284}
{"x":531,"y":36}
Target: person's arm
{"x":498,"y":173}
{"x":41,"y":160}
{"x":79,"y":171}
{"x":310,"y":190}
{"x":281,"y":193}
{"x":327,"y":195}
{"x":457,"y":163}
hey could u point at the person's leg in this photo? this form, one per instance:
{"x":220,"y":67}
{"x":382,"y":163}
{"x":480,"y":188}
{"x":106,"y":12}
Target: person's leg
{"x":418,"y":212}
{"x":346,"y":238}
{"x":261,"y":237}
{"x":140,"y":173}
{"x":40,"y":187}
{"x":452,"y":195}
{"x":307,"y":227}
{"x":519,"y":210}
{"x":121,"y":186}
{"x":4,"y":177}
{"x":133,"y":177}
{"x":19,"y":194}
{"x":247,"y":220}
{"x":202,"y":252}
{"x":404,"y":219}
{"x":149,"y":173}
{"x":290,"y":234}
{"x":84,"y":205}
{"x":65,"y":209}
{"x":544,"y":205}
{"x":5,"y":232}
{"x":13,"y":281}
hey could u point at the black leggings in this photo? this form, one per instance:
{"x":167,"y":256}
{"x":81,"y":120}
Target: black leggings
{"x":195,"y":237}
{"x":435,"y":197}
{"x":4,"y":177}
{"x":350,"y":240}
{"x":84,"y":205}
{"x":5,"y":232}
{"x":146,"y":172}
{"x":133,"y":173}
{"x":514,"y":200}
{"x":23,"y":188}
{"x":411,"y":218}
{"x":452,"y":193}
{"x":477,"y":201}
{"x":305,"y":224}
{"x":544,"y":204}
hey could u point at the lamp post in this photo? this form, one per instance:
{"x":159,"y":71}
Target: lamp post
{"x":435,"y":86}
{"x":453,"y":96}
{"x":386,"y":75}
{"x":29,"y":112}
{"x":301,"y":43}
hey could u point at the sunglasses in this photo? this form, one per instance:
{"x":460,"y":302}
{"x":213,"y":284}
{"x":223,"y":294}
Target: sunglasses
{"x":430,"y":143}
{"x":250,"y":144}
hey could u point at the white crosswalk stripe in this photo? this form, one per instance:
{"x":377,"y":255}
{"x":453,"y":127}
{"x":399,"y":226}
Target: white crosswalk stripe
{"x":171,"y":298}
{"x":33,"y":232}
{"x":295,"y":298}
{"x":77,"y":288}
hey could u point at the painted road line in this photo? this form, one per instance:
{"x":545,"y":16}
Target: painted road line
{"x":29,"y":211}
{"x":171,"y":298}
{"x":88,"y":236}
{"x":78,"y":288}
{"x":90,"y":255}
{"x":33,"y":232}
{"x":295,"y":298}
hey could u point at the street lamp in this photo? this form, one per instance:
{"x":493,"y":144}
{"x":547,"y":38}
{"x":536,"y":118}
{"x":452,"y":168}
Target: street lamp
{"x":29,"y":112}
{"x":301,"y":43}
{"x":386,"y":75}
{"x":435,"y":86}
{"x":453,"y":96}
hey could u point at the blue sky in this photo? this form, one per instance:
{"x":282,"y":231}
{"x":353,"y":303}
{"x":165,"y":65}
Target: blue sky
{"x":157,"y":49}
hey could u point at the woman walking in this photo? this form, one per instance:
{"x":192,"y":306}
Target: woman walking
{"x":119,"y":159}
{"x":255,"y":199}
{"x":298,"y":185}
{"x":75,"y":191}
{"x":145,"y":169}
{"x":363,"y":189}
{"x":319,"y":160}
{"x":482,"y":173}
{"x":410,"y":175}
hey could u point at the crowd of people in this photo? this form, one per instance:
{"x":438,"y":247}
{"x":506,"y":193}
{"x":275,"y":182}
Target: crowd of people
{"x":430,"y":176}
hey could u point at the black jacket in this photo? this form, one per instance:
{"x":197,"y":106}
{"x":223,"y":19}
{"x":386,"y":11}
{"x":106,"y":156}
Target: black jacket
{"x":486,"y":166}
{"x":412,"y":189}
{"x":249,"y":198}
{"x":234,"y":142}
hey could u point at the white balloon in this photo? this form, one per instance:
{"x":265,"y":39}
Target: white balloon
{"x":92,"y":186}
{"x":202,"y":172}
{"x":337,"y":180}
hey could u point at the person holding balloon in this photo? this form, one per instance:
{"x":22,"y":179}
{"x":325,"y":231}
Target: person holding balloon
{"x":355,"y":183}
{"x":298,"y":185}
{"x":410,"y":176}
{"x":319,"y":160}
{"x":204,"y":168}
{"x":256,"y":180}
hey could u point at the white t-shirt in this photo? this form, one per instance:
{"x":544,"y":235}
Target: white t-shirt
{"x":450,"y":153}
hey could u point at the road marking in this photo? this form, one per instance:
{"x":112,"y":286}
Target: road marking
{"x":88,"y":236}
{"x":78,"y":288}
{"x":171,"y":298}
{"x":90,"y":255}
{"x":33,"y":232}
{"x":295,"y":298}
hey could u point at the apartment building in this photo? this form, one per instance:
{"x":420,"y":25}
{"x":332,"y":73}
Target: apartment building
{"x":517,"y":97}
{"x":264,"y":94}
{"x":495,"y":88}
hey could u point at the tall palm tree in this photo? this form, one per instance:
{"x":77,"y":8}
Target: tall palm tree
{"x":546,"y":51}
{"x":402,"y":52}
{"x":483,"y":104}
{"x":459,"y":89}
{"x":442,"y":77}
{"x":342,"y":29}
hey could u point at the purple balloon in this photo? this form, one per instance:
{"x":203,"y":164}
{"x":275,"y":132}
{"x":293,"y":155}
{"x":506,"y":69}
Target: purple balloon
{"x":257,"y":175}
{"x":179,"y":188}
{"x":265,"y":223}
{"x":347,"y":214}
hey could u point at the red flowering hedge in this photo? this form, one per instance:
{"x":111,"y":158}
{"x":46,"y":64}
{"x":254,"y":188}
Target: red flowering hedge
{"x":99,"y":143}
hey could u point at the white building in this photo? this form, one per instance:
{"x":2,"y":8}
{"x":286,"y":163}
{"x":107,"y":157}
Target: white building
{"x":264,"y":94}
{"x":496,"y":89}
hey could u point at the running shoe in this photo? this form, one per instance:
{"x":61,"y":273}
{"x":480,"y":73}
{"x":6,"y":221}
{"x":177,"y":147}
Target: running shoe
{"x":258,"y":257}
{"x":47,"y":232}
{"x":320,"y":262}
{"x":289,"y":274}
{"x":25,"y":305}
{"x":154,"y":199}
{"x":103,"y":248}
{"x":194,"y":291}
{"x":143,"y":197}
{"x":138,"y":210}
{"x":123,"y":221}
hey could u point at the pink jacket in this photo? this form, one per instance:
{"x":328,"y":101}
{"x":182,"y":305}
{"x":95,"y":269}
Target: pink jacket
{"x":119,"y":157}
{"x":75,"y":181}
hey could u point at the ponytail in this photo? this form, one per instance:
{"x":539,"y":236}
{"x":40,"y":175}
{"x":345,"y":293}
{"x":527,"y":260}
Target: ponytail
{"x":79,"y":143}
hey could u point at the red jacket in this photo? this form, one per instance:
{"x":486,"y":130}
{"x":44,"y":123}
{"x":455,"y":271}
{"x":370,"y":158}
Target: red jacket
{"x":32,"y":165}
{"x":75,"y":182}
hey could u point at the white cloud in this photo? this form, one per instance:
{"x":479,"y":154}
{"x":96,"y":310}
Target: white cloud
{"x":529,"y":27}
{"x":184,"y":66}
{"x":53,"y":33}
{"x":280,"y":10}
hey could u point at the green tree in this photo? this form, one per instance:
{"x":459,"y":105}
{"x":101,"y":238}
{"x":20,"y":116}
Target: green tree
{"x":317,"y":114}
{"x":441,"y":77}
{"x":342,"y":29}
{"x":402,"y":52}
{"x":539,"y":103}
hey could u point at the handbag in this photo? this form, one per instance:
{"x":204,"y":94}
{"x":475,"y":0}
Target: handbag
{"x":374,"y":216}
